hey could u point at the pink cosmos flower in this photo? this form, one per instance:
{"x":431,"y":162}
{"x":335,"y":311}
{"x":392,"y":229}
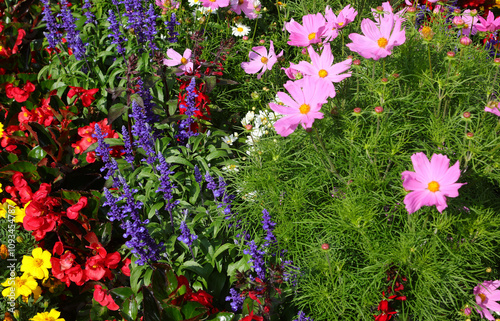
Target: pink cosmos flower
{"x":293,"y":73}
{"x":176,"y":59}
{"x":387,"y":9}
{"x":377,"y":42}
{"x":494,"y":110}
{"x":346,"y":16}
{"x":323,"y":69}
{"x":166,"y":5}
{"x":302,"y":108}
{"x":246,"y":6}
{"x":311,"y":32}
{"x":215,"y":4}
{"x":260,"y":60}
{"x":470,"y":23}
{"x":430,"y":182}
{"x":490,"y":24}
{"x":486,"y":294}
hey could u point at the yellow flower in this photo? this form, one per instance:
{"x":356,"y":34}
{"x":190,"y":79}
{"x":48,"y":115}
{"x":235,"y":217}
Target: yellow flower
{"x":1,"y":125}
{"x":53,"y":315}
{"x":23,"y":285}
{"x":19,"y":213}
{"x":4,"y":252}
{"x":36,"y":294}
{"x":38,"y":264}
{"x":1,"y":190}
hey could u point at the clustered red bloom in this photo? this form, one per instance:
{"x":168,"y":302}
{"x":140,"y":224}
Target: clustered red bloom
{"x":199,"y":296}
{"x":394,"y":288}
{"x":42,"y":215}
{"x":7,"y":52}
{"x":19,"y":94}
{"x":86,"y":96}
{"x":202,"y":102}
{"x":87,"y":139}
{"x":44,"y":115}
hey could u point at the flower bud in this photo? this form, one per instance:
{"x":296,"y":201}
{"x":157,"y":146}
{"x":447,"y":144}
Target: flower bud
{"x":248,"y":127}
{"x":411,"y":10}
{"x":19,"y":239}
{"x":458,"y":21}
{"x":245,"y":38}
{"x":488,"y":270}
{"x":17,"y":314}
{"x":457,"y":11}
{"x":357,"y":111}
{"x":262,"y":41}
{"x":4,"y":252}
{"x":384,"y":80}
{"x":473,"y":12}
{"x":379,"y":110}
{"x":356,"y":62}
{"x":466,"y":115}
{"x":470,"y":135}
{"x":255,"y":95}
{"x":465,"y":41}
{"x":450,"y":54}
{"x":350,"y":57}
{"x":395,"y":75}
{"x":380,"y":9}
{"x":325,"y":246}
{"x":497,"y":61}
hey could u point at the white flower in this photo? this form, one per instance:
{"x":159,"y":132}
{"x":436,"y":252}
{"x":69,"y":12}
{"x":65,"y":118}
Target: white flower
{"x":252,"y":196}
{"x":194,"y":2}
{"x":240,"y":30}
{"x":230,"y":139}
{"x":230,"y":168}
{"x":206,"y":10}
{"x":248,"y":118}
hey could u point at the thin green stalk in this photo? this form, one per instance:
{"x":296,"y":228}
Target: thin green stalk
{"x":429,"y":54}
{"x":328,"y":158}
{"x":60,"y":61}
{"x":254,"y":29}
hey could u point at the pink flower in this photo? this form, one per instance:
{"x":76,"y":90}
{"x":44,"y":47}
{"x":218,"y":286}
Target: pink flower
{"x":246,"y":6}
{"x":346,"y":16}
{"x":430,"y":182}
{"x":470,"y":23}
{"x":486,"y":294}
{"x":377,"y":42}
{"x":292,"y":72}
{"x":177,"y":60}
{"x":311,"y":32}
{"x":215,"y":4}
{"x":323,"y":69}
{"x":166,"y":5}
{"x":260,"y":60}
{"x":302,"y":108}
{"x":387,"y":9}
{"x":493,"y":110}
{"x":490,"y":24}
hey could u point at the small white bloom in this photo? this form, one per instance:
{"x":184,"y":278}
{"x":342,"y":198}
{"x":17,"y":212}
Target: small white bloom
{"x":240,"y":30}
{"x":206,"y":10}
{"x":194,"y":2}
{"x":248,"y":118}
{"x":230,"y":168}
{"x":230,"y":139}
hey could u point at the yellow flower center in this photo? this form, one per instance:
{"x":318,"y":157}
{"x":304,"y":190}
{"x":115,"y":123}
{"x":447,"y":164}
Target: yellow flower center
{"x":184,"y":61}
{"x":426,"y":32}
{"x":466,"y":26}
{"x":89,"y":140}
{"x":94,"y":266}
{"x":433,"y":186}
{"x":240,"y":29}
{"x":213,"y":0}
{"x":304,"y":108}
{"x":264,"y":60}
{"x":323,"y":73}
{"x":21,"y":282}
{"x":482,"y":296}
{"x":37,"y":263}
{"x":25,"y":114}
{"x":311,"y":36}
{"x":382,"y":42}
{"x":341,"y":24}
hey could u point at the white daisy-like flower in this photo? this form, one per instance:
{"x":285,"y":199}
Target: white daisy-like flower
{"x":251,"y":196}
{"x":206,"y":10}
{"x":248,"y":118}
{"x":230,"y":139}
{"x":194,"y":2}
{"x":240,"y":30}
{"x":230,"y":168}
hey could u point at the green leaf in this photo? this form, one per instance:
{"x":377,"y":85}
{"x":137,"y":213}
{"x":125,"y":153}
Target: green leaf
{"x":116,"y":111}
{"x":106,"y":233}
{"x":216,"y":154}
{"x":193,"y":310}
{"x":147,"y":277}
{"x":179,"y":160}
{"x":130,"y":309}
{"x":21,"y":166}
{"x":151,"y":306}
{"x":221,"y":249}
{"x":123,"y":292}
{"x":157,"y":206}
{"x":135,"y":277}
{"x":222,"y":316}
{"x":171,"y":313}
{"x":203,"y":271}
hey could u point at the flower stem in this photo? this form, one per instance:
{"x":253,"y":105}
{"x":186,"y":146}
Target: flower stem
{"x":429,"y":54}
{"x":255,"y":28}
{"x":332,"y":166}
